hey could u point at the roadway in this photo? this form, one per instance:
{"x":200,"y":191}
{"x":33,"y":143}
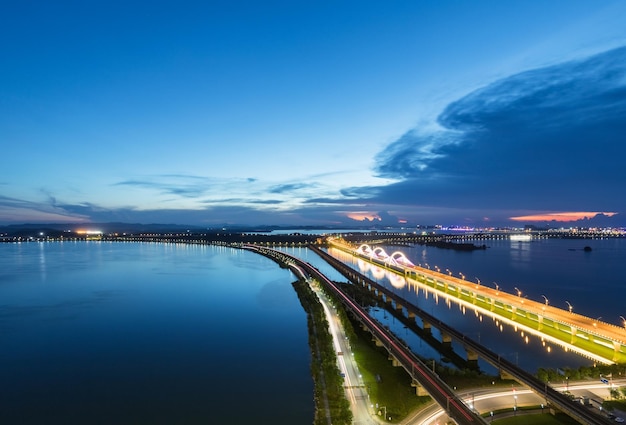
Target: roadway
{"x":563,"y":403}
{"x":435,"y":386}
{"x":493,"y":400}
{"x":567,"y":324}
{"x":356,"y":392}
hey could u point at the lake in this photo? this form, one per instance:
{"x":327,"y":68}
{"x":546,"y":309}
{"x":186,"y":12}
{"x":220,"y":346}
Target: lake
{"x":147,"y":333}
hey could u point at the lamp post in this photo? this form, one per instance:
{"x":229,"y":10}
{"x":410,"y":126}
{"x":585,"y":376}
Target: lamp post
{"x":462,"y":275}
{"x":623,"y":321}
{"x":546,"y":299}
{"x":497,"y":288}
{"x":384,"y":407}
{"x":569,"y":306}
{"x":449,"y":272}
{"x":478,"y":280}
{"x":519,"y":293}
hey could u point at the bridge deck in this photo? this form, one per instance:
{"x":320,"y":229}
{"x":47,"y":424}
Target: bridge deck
{"x":601,"y":341}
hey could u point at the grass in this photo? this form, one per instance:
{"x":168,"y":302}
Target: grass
{"x":387,"y":385}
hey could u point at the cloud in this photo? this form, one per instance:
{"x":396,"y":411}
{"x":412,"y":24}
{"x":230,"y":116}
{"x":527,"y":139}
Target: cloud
{"x":290,"y":187}
{"x":13,"y":210}
{"x":549,"y":139}
{"x":172,"y":184}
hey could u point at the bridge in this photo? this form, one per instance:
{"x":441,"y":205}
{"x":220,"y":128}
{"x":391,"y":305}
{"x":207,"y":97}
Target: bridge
{"x":603,"y":342}
{"x":400,"y":354}
{"x":508,"y":369}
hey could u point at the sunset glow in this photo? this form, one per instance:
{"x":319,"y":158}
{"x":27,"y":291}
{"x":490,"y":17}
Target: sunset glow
{"x":362,"y":216}
{"x":562,"y":216}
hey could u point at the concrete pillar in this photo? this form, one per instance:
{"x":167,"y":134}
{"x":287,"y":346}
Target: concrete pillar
{"x":377,"y":341}
{"x":504,"y":375}
{"x":427,"y":327}
{"x":446,"y":339}
{"x":394,"y":361}
{"x":419,"y":390}
{"x":616,"y":348}
{"x":399,"y":307}
{"x":472,"y":358}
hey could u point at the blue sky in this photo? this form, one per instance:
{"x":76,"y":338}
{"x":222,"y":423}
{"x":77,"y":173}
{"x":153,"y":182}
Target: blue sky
{"x":313,"y":113}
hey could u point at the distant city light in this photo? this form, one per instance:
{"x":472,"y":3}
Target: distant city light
{"x":89,"y":232}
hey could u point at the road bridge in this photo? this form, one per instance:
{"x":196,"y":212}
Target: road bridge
{"x":473,"y":348}
{"x":600,"y":341}
{"x":400,"y":353}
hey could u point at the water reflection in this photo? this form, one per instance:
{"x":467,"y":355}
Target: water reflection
{"x":494,"y":334}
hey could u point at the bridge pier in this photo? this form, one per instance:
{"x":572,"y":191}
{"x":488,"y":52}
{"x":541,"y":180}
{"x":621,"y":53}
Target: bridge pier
{"x":378,"y":342}
{"x":616,"y":347}
{"x":504,"y":375}
{"x":446,"y":340}
{"x":427,"y":327}
{"x":394,"y":361}
{"x":472,"y":358}
{"x":399,"y":307}
{"x":419,"y":390}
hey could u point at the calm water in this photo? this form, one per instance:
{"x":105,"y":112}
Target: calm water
{"x":131,"y":333}
{"x":594,"y":283}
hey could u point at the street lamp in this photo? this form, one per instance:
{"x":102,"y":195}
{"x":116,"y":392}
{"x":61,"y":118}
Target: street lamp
{"x":569,"y":306}
{"x":519,"y":293}
{"x":449,"y":272}
{"x":478,"y":280}
{"x":383,"y":407}
{"x":595,"y":322}
{"x":623,"y":321}
{"x":545,"y":298}
{"x":462,"y":275}
{"x":497,"y":288}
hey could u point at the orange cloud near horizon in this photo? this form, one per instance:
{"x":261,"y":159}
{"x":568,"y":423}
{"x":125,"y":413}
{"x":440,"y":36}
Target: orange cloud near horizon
{"x":562,"y":216}
{"x":362,"y":216}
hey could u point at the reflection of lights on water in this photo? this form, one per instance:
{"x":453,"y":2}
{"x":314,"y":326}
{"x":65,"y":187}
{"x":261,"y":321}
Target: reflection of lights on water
{"x":499,"y":322}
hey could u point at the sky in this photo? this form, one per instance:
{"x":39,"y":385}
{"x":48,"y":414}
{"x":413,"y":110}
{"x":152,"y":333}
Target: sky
{"x":330,"y":113}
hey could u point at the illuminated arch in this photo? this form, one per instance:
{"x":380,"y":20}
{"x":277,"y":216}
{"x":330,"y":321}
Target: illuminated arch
{"x":400,"y":259}
{"x":365,"y":249}
{"x":380,"y":253}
